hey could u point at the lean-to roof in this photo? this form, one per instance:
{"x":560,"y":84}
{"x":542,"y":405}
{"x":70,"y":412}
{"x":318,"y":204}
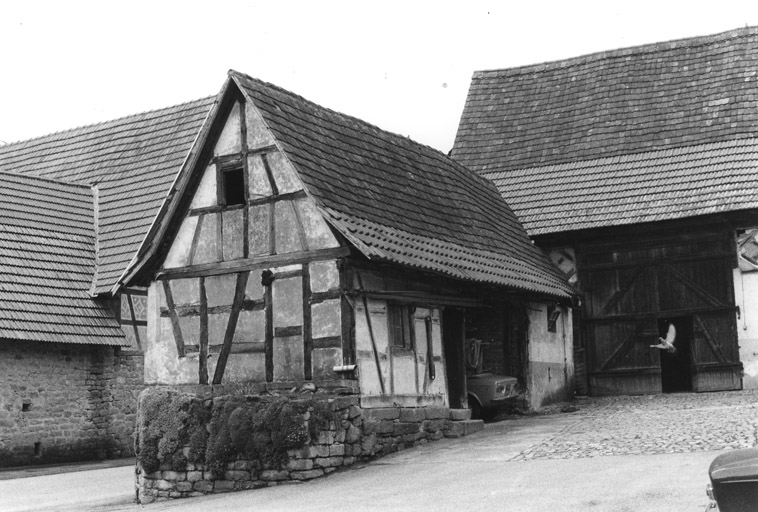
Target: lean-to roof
{"x":47,"y":250}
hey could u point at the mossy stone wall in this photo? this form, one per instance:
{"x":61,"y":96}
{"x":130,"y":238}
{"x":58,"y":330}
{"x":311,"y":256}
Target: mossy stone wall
{"x":189,"y":444}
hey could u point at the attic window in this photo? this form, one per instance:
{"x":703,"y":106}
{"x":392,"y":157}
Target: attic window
{"x":233,"y":183}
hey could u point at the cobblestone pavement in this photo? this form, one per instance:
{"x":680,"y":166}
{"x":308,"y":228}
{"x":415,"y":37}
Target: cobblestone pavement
{"x":653,"y":424}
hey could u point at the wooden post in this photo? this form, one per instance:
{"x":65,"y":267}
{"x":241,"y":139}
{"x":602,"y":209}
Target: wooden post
{"x":203,"y":354}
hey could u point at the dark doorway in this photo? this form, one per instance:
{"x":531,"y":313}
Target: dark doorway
{"x":676,"y":374}
{"x":453,"y":332}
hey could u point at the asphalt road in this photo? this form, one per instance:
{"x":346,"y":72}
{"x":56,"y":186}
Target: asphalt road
{"x":625,"y":454}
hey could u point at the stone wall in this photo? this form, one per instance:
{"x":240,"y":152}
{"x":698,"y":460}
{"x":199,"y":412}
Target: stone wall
{"x":66,"y":402}
{"x":353,"y":434}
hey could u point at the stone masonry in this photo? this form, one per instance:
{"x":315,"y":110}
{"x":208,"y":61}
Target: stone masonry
{"x":356,"y":434}
{"x":66,"y":402}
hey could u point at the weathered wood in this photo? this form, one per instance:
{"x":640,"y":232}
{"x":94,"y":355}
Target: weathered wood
{"x":178,"y":339}
{"x":290,"y":273}
{"x":203,"y":356}
{"x":267,"y":279}
{"x":284,"y":332}
{"x":700,"y":325}
{"x":134,"y":321}
{"x":371,"y":335}
{"x":620,"y":351}
{"x":327,"y":342}
{"x":219,"y":236}
{"x":272,"y":228}
{"x":270,"y":175}
{"x":307,"y":322}
{"x":288,"y":196}
{"x":239,"y":295}
{"x":194,"y":310}
{"x":196,"y":239}
{"x":425,"y":299}
{"x":622,"y":291}
{"x":431,"y":371}
{"x":300,"y":228}
{"x":214,"y":209}
{"x":263,"y":262}
{"x":262,"y":150}
{"x":241,"y":348}
{"x":699,"y":291}
{"x":317,"y":297}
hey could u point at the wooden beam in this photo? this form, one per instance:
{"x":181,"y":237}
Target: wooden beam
{"x":178,"y":339}
{"x":307,"y":322}
{"x":267,"y":279}
{"x":327,"y":342}
{"x":371,"y":335}
{"x":263,"y":262}
{"x":270,"y":175}
{"x":203,"y":356}
{"x":289,"y":196}
{"x":134,"y":321}
{"x":239,"y":295}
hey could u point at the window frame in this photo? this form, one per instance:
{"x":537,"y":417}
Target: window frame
{"x":401,"y":328}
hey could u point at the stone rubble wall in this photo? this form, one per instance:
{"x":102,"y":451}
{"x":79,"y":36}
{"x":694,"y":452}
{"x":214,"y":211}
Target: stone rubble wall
{"x":66,"y":402}
{"x":356,"y":434}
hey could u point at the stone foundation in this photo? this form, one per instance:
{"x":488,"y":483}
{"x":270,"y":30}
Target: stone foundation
{"x":354,"y":434}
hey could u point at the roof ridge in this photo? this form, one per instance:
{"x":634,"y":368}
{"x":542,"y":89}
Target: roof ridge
{"x":100,"y":123}
{"x":343,"y":115}
{"x":31,"y":176}
{"x":660,"y":46}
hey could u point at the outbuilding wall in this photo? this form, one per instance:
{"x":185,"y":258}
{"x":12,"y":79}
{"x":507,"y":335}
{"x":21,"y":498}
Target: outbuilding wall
{"x":550,"y":376}
{"x":66,"y":402}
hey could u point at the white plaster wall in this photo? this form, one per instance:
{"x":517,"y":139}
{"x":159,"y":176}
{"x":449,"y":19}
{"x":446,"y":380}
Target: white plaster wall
{"x":746,"y":297}
{"x":551,"y":358}
{"x":402,"y":374}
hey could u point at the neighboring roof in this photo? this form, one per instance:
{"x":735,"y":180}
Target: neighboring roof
{"x":134,"y":161}
{"x":677,"y":93}
{"x":47,"y":252}
{"x":630,"y":189}
{"x":654,"y":132}
{"x":400,"y":201}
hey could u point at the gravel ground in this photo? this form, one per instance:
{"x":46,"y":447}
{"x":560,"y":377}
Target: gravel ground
{"x":652,"y":424}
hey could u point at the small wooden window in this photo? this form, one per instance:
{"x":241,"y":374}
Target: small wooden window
{"x":233,"y":183}
{"x":552,"y":318}
{"x":400,"y":318}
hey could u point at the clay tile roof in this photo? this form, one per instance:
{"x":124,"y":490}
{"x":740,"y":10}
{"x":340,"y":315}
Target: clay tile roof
{"x":47,"y":253}
{"x":642,"y":187}
{"x":401,"y":201}
{"x":133,"y":160}
{"x":622,"y":136}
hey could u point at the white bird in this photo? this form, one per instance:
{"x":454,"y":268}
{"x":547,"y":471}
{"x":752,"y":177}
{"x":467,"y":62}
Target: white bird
{"x":668,"y":342}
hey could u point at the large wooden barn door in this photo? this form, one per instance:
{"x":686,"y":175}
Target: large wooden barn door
{"x":633,"y":289}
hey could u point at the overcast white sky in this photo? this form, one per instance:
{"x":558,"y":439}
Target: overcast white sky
{"x":402,"y":65}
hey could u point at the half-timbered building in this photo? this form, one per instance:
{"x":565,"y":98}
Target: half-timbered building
{"x":636,"y":170}
{"x":300,"y":245}
{"x":255,"y":237}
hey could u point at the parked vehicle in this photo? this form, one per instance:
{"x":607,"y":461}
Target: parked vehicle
{"x":734,"y":481}
{"x":487,"y":391}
